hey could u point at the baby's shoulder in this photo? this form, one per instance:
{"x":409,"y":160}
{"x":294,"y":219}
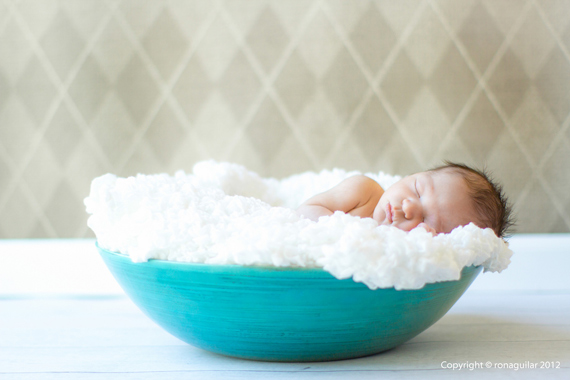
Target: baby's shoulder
{"x":361,"y":183}
{"x":362,"y":180}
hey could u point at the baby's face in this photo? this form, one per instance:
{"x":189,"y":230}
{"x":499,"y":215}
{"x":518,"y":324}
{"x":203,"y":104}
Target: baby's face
{"x":439,"y":199}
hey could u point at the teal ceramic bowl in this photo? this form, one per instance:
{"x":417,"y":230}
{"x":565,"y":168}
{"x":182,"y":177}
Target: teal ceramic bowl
{"x":280,"y":314}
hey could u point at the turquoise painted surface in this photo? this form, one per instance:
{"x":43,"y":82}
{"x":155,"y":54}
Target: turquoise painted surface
{"x":280,"y":314}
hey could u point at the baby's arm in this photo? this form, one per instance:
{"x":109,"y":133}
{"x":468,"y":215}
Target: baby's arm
{"x":357,"y":195}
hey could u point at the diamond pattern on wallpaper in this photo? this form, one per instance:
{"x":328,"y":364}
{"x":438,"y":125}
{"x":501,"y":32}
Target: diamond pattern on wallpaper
{"x":4,"y":15}
{"x":165,"y":43}
{"x":481,"y":128}
{"x":86,"y":16}
{"x":240,"y":85}
{"x":319,"y":125}
{"x":296,"y":84}
{"x":552,"y":83}
{"x":36,"y":90}
{"x":532,"y":43}
{"x":535,"y":125}
{"x":293,"y":13}
{"x":345,"y":84}
{"x":283,"y":87}
{"x":192,"y":88}
{"x":17,"y":132}
{"x":217,"y":48}
{"x":349,"y":156}
{"x":347,"y":14}
{"x":268,"y":130}
{"x":556,"y":12}
{"x":184,"y":159}
{"x":62,"y":44}
{"x":400,"y":13}
{"x":140,"y":18}
{"x":562,"y":225}
{"x":536,"y":212}
{"x":113,"y":128}
{"x":16,"y":49}
{"x":505,"y":13}
{"x":6,"y":174}
{"x":22,"y":216}
{"x":509,"y":165}
{"x":373,"y":130}
{"x":398,"y":158}
{"x":89,"y":88}
{"x":556,"y":172}
{"x":244,"y":13}
{"x":283,"y":165}
{"x":42,"y":174}
{"x":509,"y":82}
{"x":244,"y":153}
{"x":63,"y":134}
{"x":112,"y":50}
{"x":165,"y":134}
{"x":373,"y":51}
{"x":566,"y":38}
{"x":3,"y":94}
{"x":83,"y":165}
{"x":452,"y":82}
{"x":480,"y":36}
{"x":425,"y":111}
{"x":427,"y":42}
{"x":319,"y":44}
{"x":267,"y":39}
{"x":60,"y":211}
{"x":137,"y":89}
{"x":454,"y":12}
{"x":38,"y":14}
{"x":213,"y":127}
{"x":141,"y":160}
{"x":453,"y":149}
{"x":401,"y":84}
{"x":191,"y":15}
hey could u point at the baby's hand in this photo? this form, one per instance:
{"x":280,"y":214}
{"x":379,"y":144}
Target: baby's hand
{"x":427,"y":228}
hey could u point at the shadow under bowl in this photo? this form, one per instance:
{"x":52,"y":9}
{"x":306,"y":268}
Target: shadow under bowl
{"x":280,"y":314}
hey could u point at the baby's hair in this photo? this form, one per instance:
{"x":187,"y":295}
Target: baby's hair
{"x":490,"y":201}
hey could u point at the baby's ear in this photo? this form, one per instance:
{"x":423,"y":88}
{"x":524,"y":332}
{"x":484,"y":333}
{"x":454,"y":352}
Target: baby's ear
{"x":427,"y":228}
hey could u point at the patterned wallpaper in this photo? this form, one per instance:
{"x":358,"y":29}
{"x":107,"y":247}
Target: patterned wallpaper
{"x":91,"y":86}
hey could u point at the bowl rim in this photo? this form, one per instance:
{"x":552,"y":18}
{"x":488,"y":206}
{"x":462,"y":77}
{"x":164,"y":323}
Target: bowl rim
{"x":208,"y":267}
{"x":253,"y":270}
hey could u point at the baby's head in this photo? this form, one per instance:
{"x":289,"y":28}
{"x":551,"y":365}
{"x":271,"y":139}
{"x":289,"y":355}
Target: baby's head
{"x":443,"y":198}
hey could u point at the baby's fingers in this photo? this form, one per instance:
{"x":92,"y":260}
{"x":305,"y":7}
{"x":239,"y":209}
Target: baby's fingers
{"x":427,"y":228}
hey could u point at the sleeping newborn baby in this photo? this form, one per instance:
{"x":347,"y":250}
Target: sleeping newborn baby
{"x":437,"y":200}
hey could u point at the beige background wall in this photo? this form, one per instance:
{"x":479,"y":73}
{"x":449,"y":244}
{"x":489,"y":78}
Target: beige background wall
{"x":91,"y":86}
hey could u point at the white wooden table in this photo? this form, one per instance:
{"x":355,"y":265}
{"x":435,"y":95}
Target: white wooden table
{"x":52,"y":327}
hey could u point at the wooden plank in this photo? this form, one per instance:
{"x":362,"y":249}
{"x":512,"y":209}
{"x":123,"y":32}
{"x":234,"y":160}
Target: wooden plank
{"x":125,"y":359}
{"x":73,"y":266}
{"x":109,"y":338}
